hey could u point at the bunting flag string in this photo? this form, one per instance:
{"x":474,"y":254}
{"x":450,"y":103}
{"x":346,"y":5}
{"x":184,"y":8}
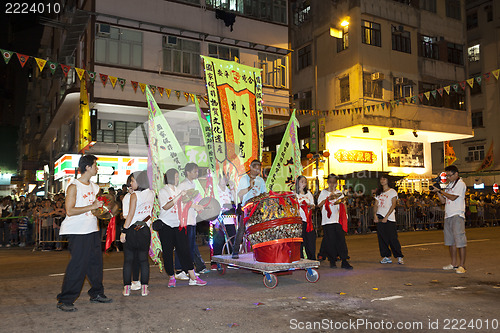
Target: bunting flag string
{"x":23,"y":59}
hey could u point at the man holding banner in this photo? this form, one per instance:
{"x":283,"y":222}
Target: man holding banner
{"x":250,"y":186}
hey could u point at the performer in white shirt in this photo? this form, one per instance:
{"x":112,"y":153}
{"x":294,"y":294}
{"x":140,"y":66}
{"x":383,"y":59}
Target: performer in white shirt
{"x":329,"y":201}
{"x":385,"y":217}
{"x":84,"y":237}
{"x":306,"y":203}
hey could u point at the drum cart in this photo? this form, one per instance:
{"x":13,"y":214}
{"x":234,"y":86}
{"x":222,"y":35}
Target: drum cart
{"x":269,"y":270}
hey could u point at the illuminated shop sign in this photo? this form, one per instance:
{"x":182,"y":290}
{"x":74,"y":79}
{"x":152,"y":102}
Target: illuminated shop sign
{"x":355,"y":156}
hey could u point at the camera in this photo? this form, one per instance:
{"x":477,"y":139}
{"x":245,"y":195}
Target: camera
{"x":436,"y":184}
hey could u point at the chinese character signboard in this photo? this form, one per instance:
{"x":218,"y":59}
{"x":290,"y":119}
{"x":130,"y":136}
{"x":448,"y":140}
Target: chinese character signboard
{"x":313,"y":138}
{"x":321,"y":134}
{"x":235,"y":101}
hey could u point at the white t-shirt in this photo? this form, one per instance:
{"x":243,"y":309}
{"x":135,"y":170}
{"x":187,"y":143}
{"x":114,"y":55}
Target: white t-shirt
{"x":334,"y":218}
{"x":192,"y":213}
{"x":457,"y":206}
{"x":259,"y":187}
{"x":85,"y":223}
{"x":384,"y":203}
{"x":169,"y":217}
{"x":309,"y":199}
{"x":144,"y":205}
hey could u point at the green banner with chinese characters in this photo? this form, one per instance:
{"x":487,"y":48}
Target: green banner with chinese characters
{"x":235,"y":101}
{"x":286,"y":165}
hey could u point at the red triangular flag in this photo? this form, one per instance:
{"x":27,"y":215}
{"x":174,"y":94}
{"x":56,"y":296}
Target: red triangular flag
{"x":22,"y":58}
{"x":104,"y":79}
{"x":135,"y":84}
{"x":65,"y":69}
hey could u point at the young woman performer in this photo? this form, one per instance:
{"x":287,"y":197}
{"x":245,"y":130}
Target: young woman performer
{"x":170,"y":234}
{"x":306,"y":202}
{"x":136,"y":234}
{"x":385,"y":217}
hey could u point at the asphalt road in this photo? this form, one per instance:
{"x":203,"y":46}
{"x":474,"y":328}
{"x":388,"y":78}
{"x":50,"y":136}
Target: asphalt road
{"x":416,"y":297}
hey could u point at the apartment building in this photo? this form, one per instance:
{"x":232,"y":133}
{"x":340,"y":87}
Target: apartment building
{"x":153,"y":42}
{"x":368,"y":67}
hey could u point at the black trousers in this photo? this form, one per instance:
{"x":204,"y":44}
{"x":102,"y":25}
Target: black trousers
{"x":308,"y":243}
{"x":334,"y":238}
{"x":136,"y":252}
{"x":388,"y":237}
{"x":86,"y":261}
{"x":170,"y":238}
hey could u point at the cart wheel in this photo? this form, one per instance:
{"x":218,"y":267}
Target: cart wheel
{"x":221,"y":268}
{"x":312,"y":275}
{"x":270,"y":280}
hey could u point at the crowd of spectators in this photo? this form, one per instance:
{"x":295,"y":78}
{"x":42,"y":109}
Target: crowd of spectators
{"x":31,"y":220}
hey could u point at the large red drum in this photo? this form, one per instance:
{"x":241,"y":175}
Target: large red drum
{"x":274,"y":227}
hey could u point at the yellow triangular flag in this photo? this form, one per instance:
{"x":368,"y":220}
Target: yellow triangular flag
{"x":80,"y":72}
{"x":40,"y":63}
{"x":447,"y":89}
{"x":192,"y":97}
{"x":495,"y":73}
{"x":113,"y":80}
{"x":143,"y":86}
{"x":168,"y":91}
{"x":470,"y":82}
{"x":427,"y":95}
{"x":408,"y":99}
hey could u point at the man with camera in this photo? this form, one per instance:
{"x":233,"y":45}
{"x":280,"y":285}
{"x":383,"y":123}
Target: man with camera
{"x":453,"y":196}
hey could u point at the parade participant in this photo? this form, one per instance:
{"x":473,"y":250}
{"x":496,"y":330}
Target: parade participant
{"x":191,"y":173}
{"x":136,"y":268}
{"x":171,"y":235}
{"x":84,"y":237}
{"x":250,"y":185}
{"x":330,"y":200}
{"x":453,"y":197}
{"x":385,"y":217}
{"x":136,"y":234}
{"x":306,"y":202}
{"x":227,"y":195}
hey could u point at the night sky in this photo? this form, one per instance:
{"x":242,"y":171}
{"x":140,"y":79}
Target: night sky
{"x":18,"y":33}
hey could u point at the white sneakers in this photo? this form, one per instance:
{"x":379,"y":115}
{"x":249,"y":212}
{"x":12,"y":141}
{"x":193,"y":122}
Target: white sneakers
{"x":458,"y":269}
{"x":197,"y":282}
{"x":144,"y":290}
{"x":126,"y":290}
{"x":136,"y":285}
{"x":182,"y":276}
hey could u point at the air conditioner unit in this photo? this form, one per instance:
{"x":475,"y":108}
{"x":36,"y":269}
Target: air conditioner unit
{"x":400,"y":80}
{"x":401,"y":28}
{"x":103,"y":30}
{"x":302,"y":95}
{"x":468,"y":159}
{"x":169,"y":41}
{"x":377,"y":76}
{"x":69,"y":61}
{"x":182,"y":136}
{"x":106,"y":125}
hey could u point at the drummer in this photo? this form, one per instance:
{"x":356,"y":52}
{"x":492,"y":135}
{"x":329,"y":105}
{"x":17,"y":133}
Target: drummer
{"x":250,"y":185}
{"x":330,"y":201}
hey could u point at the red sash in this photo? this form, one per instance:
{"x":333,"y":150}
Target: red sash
{"x":110,"y":233}
{"x":343,"y":216}
{"x":327,"y":207}
{"x":308,"y":212}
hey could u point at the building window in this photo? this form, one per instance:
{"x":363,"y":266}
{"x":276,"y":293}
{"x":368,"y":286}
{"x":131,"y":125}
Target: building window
{"x":475,"y":153}
{"x":453,"y":9}
{"x":429,"y":47}
{"x":181,"y":56}
{"x":121,"y":132}
{"x":472,"y":21}
{"x":223,"y":52}
{"x":489,"y":13}
{"x":343,"y":43}
{"x":477,"y":119}
{"x":455,"y":53}
{"x":371,"y":88}
{"x":274,"y":70}
{"x":344,"y":90}
{"x":305,"y":100}
{"x":429,"y":5}
{"x":197,"y":2}
{"x":118,"y":46}
{"x":370,"y":33}
{"x":403,"y":87}
{"x":268,"y":10}
{"x":304,"y":57}
{"x":301,"y":12}
{"x":401,"y":39}
{"x":473,"y":53}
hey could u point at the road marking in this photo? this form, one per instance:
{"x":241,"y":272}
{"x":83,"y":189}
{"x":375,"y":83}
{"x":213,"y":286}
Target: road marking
{"x":390,"y":298}
{"x":105,"y":269}
{"x":423,"y":244}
